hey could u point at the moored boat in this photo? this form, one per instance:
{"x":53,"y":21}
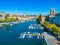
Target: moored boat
{"x":34,"y":35}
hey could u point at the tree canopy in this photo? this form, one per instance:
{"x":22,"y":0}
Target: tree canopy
{"x":39,"y":19}
{"x":53,"y":28}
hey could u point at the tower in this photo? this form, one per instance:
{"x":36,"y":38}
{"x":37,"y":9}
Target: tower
{"x":3,"y":15}
{"x":52,"y":11}
{"x":24,"y":14}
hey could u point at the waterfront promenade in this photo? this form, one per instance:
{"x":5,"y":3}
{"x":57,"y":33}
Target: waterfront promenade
{"x":50,"y":40}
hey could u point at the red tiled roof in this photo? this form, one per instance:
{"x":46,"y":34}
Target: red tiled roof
{"x":8,"y":15}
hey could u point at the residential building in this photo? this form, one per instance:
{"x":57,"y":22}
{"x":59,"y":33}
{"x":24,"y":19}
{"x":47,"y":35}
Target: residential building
{"x":8,"y":15}
{"x":43,"y":18}
{"x":2,"y":16}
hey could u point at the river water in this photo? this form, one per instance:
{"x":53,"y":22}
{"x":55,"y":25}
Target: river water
{"x":9,"y":35}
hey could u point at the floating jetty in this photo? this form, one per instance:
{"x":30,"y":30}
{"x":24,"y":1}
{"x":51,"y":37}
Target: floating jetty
{"x":34,"y":35}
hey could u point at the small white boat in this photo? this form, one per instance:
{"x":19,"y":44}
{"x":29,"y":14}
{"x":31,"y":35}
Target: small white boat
{"x":30,"y":35}
{"x":28,"y":32}
{"x":41,"y":27}
{"x":22,"y":21}
{"x":23,"y":36}
{"x":11,"y":24}
{"x":38,"y":37}
{"x":31,"y":27}
{"x":1,"y":25}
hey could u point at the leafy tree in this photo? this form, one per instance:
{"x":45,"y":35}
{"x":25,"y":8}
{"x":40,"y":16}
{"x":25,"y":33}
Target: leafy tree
{"x":39,"y":18}
{"x":14,"y":19}
{"x":53,"y":28}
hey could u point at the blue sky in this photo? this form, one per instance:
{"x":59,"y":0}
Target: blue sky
{"x":29,"y":6}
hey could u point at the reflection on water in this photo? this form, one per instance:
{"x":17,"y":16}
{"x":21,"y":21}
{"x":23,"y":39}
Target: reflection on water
{"x":9,"y":35}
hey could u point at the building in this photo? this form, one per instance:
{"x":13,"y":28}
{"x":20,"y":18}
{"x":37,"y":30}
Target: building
{"x":24,"y":14}
{"x":43,"y":18}
{"x":8,"y":15}
{"x":2,"y":16}
{"x":51,"y":16}
{"x":52,"y":12}
{"x":54,"y":17}
{"x":14,"y":16}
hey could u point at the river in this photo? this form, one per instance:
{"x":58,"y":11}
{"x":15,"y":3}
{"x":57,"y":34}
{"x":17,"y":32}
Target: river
{"x":9,"y":35}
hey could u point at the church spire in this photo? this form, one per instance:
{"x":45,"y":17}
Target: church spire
{"x":52,"y":11}
{"x":24,"y":14}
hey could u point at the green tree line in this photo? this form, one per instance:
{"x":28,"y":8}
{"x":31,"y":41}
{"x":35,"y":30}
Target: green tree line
{"x":53,"y":28}
{"x":9,"y":20}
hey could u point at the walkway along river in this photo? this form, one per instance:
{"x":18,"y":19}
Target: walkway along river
{"x":9,"y":35}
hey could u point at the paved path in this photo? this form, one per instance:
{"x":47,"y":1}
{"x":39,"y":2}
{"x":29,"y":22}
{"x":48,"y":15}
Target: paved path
{"x":50,"y":40}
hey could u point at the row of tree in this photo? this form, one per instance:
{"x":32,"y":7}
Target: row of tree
{"x":9,"y":20}
{"x":53,"y":28}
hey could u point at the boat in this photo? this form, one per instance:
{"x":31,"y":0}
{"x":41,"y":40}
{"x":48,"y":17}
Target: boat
{"x":30,"y":27}
{"x":11,"y":23}
{"x":41,"y":27}
{"x":1,"y":25}
{"x":34,"y":26}
{"x":22,"y":21}
{"x":34,"y":35}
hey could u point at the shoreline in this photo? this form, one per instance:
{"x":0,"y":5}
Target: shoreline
{"x":7,"y":23}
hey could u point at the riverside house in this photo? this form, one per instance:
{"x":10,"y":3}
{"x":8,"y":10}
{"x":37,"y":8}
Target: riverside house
{"x":8,"y":16}
{"x":2,"y":15}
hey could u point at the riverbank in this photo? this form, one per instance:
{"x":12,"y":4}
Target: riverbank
{"x":15,"y":22}
{"x":50,"y":40}
{"x":49,"y":37}
{"x":6,"y":23}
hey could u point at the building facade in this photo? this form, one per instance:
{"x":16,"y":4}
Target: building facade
{"x":54,"y":17}
{"x":2,"y":16}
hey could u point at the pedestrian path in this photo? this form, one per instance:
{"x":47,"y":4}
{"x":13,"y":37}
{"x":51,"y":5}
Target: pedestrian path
{"x":50,"y":40}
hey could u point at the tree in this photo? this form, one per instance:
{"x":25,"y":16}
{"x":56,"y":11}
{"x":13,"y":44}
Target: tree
{"x":39,"y":19}
{"x":47,"y":18}
{"x":15,"y":19}
{"x":53,"y":28}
